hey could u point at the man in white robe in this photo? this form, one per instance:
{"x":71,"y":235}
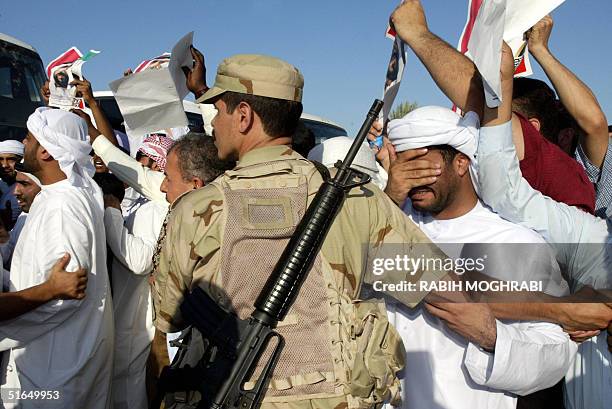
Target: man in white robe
{"x":133,"y":242}
{"x":27,"y":186}
{"x":133,"y":245}
{"x":436,"y":188}
{"x":63,"y":346}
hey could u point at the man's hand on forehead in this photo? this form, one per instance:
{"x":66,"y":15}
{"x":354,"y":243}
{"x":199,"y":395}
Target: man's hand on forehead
{"x":410,"y":170}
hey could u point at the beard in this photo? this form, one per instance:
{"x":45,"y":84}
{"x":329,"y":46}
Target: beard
{"x":433,"y":207}
{"x":30,"y":164}
{"x":444,"y":194}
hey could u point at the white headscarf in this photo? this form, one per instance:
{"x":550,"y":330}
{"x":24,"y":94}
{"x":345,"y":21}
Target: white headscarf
{"x":64,"y":135}
{"x":334,"y":149}
{"x":432,"y":125}
{"x":33,"y":178}
{"x":11,"y":146}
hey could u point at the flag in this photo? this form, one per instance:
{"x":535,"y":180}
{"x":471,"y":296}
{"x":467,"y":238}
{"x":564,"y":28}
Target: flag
{"x":90,"y":54}
{"x":68,"y":57}
{"x":70,"y":65}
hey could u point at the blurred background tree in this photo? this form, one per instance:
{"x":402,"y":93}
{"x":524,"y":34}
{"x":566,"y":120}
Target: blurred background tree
{"x":403,"y":109}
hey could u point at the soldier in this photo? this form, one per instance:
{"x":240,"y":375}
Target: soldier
{"x":229,"y":235}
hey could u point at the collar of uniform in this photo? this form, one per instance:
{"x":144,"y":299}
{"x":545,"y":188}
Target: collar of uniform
{"x":267,"y":154}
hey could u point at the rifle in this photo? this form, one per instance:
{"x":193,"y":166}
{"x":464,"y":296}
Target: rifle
{"x":240,"y":343}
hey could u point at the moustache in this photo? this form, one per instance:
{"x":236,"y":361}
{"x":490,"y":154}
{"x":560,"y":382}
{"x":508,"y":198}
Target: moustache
{"x":420,"y":189}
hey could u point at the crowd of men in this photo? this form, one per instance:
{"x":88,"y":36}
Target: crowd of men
{"x":101,"y":249}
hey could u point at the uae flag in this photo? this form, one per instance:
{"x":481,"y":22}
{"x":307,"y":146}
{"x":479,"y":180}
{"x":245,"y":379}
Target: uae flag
{"x":69,"y":57}
{"x":66,"y":58}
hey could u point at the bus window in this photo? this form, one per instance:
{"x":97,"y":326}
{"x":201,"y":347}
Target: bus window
{"x":21,"y":77}
{"x":196,"y":123}
{"x":6,"y":90}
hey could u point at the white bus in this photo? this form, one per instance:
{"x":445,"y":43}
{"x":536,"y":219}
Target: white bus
{"x":22,"y":74}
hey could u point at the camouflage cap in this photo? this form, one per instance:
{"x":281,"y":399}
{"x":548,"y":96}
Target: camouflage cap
{"x":257,"y":75}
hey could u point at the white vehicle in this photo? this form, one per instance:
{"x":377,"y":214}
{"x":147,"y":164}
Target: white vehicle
{"x":22,"y":74}
{"x":199,"y":120}
{"x":322,"y":128}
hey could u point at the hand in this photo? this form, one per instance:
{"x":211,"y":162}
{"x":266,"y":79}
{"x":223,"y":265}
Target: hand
{"x":83,"y":87}
{"x":538,"y":35}
{"x":66,"y":285}
{"x":196,"y":76}
{"x":408,"y":172}
{"x":112,"y":201}
{"x":375,"y":131}
{"x":585,"y":316}
{"x":409,"y":21}
{"x":475,"y":322}
{"x":581,"y":336}
{"x":386,"y":155}
{"x":585,"y":312}
{"x":45,"y":92}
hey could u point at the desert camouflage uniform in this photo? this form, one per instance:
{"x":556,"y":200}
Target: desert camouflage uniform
{"x":193,"y":254}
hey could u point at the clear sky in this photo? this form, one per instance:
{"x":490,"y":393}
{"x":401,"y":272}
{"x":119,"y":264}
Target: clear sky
{"x":339,"y":45}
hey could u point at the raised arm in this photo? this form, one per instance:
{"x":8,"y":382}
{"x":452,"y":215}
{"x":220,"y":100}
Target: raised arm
{"x":103,"y":126}
{"x":575,"y":95}
{"x":145,"y":181}
{"x":454,"y":73}
{"x":502,"y":186}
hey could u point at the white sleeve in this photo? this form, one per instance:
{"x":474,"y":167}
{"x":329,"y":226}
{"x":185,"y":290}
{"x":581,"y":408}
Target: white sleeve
{"x":578,"y":237}
{"x":528,"y":357}
{"x":63,"y":232}
{"x":145,"y":181}
{"x":503,"y":188}
{"x":134,"y":252}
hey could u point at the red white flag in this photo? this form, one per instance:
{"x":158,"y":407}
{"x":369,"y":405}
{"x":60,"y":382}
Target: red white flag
{"x":67,"y":57}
